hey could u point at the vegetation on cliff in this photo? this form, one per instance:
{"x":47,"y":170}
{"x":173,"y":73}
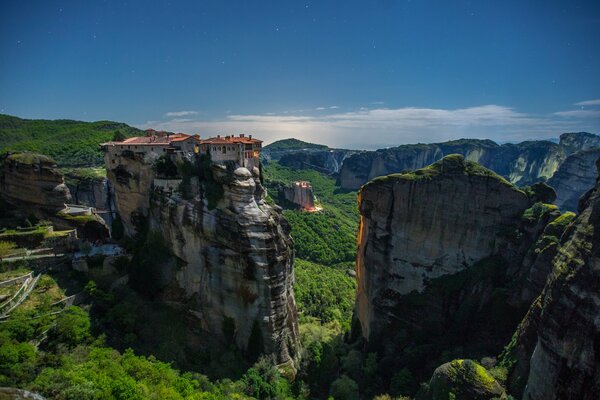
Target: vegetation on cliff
{"x":453,"y":163}
{"x":70,"y":143}
{"x":327,"y":237}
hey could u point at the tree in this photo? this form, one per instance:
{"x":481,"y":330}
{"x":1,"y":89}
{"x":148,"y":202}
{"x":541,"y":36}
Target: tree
{"x":402,"y":382}
{"x":344,"y":388}
{"x":118,"y":136}
{"x":72,"y":327}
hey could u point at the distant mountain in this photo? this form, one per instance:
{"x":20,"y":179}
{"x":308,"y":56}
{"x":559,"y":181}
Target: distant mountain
{"x":69,"y":142}
{"x":521,"y":163}
{"x":297,"y":154}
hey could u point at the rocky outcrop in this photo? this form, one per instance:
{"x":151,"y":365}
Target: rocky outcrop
{"x":574,"y":177}
{"x":578,"y":141}
{"x":419,"y":226}
{"x":234,"y":269}
{"x":555,"y":352}
{"x":92,"y":192}
{"x":462,"y":379}
{"x":326,"y":161}
{"x":521,"y":164}
{"x":301,"y":195}
{"x":297,"y":154}
{"x":132,"y":178}
{"x":33,"y":180}
{"x":446,"y":262}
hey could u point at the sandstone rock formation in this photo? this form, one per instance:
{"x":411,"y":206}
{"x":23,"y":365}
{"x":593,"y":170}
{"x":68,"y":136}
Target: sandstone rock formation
{"x":463,"y":379}
{"x":555,"y":352}
{"x":574,"y":177}
{"x":297,"y":154}
{"x":301,"y":195}
{"x":419,"y":226}
{"x":447,"y":262}
{"x":235,"y":256}
{"x":33,"y":180}
{"x":578,"y":141}
{"x":96,"y":193}
{"x":522,"y":164}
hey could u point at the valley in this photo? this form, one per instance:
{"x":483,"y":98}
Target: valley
{"x":161,"y":265}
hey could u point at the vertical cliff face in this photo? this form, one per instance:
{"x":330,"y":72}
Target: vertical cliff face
{"x":574,"y":177}
{"x":132,"y":178}
{"x":555,"y":353}
{"x":419,"y":226}
{"x":33,"y":180}
{"x":579,"y":141}
{"x":97,"y":193}
{"x":301,"y":195}
{"x":522,"y":163}
{"x":235,"y":273}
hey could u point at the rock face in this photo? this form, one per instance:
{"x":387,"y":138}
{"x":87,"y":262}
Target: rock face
{"x":132,"y":179}
{"x":297,"y":154}
{"x":300,"y":194}
{"x":33,"y":180}
{"x":463,"y":379}
{"x":423,"y":225}
{"x":555,"y":352}
{"x":449,"y":259}
{"x":574,"y":177}
{"x":97,"y":193}
{"x":521,"y":164}
{"x":579,"y":141}
{"x":327,"y":161}
{"x":235,"y":269}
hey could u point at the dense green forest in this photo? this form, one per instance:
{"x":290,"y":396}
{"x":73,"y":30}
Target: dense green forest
{"x":68,"y":142}
{"x":327,"y":237}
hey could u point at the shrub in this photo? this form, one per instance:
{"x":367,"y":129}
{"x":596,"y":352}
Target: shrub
{"x":72,"y":327}
{"x":344,"y":388}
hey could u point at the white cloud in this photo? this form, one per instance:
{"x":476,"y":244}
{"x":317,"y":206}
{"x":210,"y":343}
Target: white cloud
{"x":180,"y":113}
{"x":595,"y":102}
{"x":382,"y":127}
{"x":579,"y":114}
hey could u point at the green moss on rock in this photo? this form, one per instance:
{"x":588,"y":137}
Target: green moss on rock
{"x":451,"y":164}
{"x":462,"y":379}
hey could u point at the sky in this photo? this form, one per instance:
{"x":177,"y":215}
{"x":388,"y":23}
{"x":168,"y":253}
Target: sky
{"x":350,"y":74}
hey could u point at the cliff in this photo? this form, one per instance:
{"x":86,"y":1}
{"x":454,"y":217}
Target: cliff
{"x":294,"y":153}
{"x":33,"y":180}
{"x":93,"y":192}
{"x":444,"y":262}
{"x":521,"y":164}
{"x":577,"y":141}
{"x":300,"y":194}
{"x":234,"y":253}
{"x":574,"y":177}
{"x":555,"y":353}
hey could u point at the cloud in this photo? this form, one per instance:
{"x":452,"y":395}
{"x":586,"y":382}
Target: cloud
{"x":180,"y":113}
{"x":595,"y":102}
{"x":579,"y":114}
{"x":382,"y":127}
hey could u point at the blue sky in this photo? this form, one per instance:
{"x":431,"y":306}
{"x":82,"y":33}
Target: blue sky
{"x":361,"y":74}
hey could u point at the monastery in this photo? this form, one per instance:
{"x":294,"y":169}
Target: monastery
{"x":243,"y":150}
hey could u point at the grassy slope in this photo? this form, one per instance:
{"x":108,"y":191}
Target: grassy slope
{"x":69,"y":142}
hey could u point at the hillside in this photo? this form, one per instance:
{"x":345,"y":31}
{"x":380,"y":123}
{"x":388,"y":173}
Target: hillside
{"x":69,"y":142}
